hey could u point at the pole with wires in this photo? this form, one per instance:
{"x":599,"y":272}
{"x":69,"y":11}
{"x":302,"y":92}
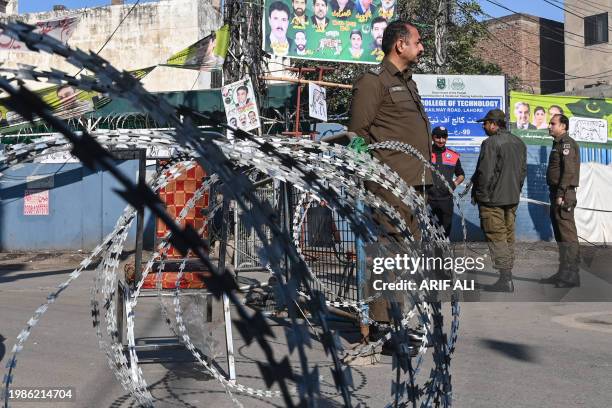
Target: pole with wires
{"x":441,"y":34}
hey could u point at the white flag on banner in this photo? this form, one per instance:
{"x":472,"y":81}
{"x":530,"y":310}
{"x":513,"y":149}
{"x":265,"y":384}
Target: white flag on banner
{"x":61,"y":29}
{"x":317,"y":102}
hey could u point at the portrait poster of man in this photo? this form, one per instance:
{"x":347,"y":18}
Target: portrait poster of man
{"x":66,"y":101}
{"x":205,"y":54}
{"x":590,"y":118}
{"x":240,"y":105}
{"x":327,"y":30}
{"x":59,"y":28}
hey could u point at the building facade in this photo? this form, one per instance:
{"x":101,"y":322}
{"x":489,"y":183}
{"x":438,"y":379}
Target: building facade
{"x":588,"y":54}
{"x":8,"y":7}
{"x":151,"y":33}
{"x":528,"y":48}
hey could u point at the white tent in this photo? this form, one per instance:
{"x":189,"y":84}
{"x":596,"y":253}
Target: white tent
{"x":594,"y":211}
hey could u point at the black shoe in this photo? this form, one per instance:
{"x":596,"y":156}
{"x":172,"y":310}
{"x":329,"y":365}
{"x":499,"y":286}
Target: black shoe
{"x":503,"y":284}
{"x":563,"y":284}
{"x":551,"y":279}
{"x":568,"y":279}
{"x":388,"y":348}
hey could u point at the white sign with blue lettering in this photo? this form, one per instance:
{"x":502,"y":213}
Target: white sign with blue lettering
{"x":456,"y":102}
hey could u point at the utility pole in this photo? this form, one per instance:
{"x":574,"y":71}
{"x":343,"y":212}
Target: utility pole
{"x":441,"y":33}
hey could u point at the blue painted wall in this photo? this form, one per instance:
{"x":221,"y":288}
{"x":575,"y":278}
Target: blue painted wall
{"x":83,"y":208}
{"x":532,"y":220}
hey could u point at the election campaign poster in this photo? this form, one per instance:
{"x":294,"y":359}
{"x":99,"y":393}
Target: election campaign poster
{"x":205,"y":54}
{"x":240,"y":106}
{"x":60,"y":28}
{"x":456,"y":102}
{"x":327,"y":30}
{"x":590,"y":118}
{"x":66,"y":101}
{"x":317,"y":102}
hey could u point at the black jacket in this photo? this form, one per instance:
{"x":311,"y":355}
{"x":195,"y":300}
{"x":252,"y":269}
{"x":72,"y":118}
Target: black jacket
{"x":500,"y":171}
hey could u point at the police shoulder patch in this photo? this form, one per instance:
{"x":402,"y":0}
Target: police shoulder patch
{"x":376,"y":70}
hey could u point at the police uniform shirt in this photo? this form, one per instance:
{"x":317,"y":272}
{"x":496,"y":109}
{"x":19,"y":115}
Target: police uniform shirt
{"x":386,"y":106}
{"x":563,"y":165}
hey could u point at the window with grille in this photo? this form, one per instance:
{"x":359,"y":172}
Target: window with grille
{"x":596,"y":29}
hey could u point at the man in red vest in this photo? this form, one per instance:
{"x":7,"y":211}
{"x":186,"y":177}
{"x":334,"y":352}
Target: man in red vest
{"x":447,"y":162}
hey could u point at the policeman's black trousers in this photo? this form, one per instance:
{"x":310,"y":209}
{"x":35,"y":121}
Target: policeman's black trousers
{"x":443,"y":210}
{"x":566,"y":235}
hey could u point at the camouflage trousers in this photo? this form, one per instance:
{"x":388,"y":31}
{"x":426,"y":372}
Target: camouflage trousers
{"x":497,"y":223}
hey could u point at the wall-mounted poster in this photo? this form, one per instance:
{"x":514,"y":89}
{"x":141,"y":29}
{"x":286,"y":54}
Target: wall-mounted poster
{"x":240,"y":106}
{"x":327,"y":30}
{"x":60,"y":28}
{"x":590,"y":118}
{"x":317,"y":102}
{"x":36,"y":202}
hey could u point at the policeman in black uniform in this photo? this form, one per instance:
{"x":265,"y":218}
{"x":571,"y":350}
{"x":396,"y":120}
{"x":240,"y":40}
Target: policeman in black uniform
{"x":447,"y":162}
{"x":562,"y":177}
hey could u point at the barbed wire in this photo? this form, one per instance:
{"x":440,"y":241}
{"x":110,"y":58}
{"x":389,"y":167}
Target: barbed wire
{"x":273,"y":156}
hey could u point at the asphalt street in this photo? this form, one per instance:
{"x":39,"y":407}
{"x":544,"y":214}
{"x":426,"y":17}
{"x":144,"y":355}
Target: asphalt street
{"x":509,"y":354}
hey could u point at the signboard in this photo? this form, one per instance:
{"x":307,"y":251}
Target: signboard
{"x":456,"y":102}
{"x":61,"y":29}
{"x":240,"y":107}
{"x":324,"y":30}
{"x":204,"y":55}
{"x":317,"y":102}
{"x":36,"y":202}
{"x":590,"y":118}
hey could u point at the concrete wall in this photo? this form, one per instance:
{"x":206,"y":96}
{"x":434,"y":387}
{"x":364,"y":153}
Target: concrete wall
{"x":83,"y":208}
{"x":532,"y":220}
{"x":586,"y":61}
{"x":151,"y":33}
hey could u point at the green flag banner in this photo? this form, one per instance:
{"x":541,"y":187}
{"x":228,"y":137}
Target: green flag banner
{"x":327,"y":30}
{"x":204,"y":55}
{"x":590,"y":118}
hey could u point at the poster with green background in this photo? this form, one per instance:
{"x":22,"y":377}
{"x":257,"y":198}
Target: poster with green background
{"x":327,"y":30}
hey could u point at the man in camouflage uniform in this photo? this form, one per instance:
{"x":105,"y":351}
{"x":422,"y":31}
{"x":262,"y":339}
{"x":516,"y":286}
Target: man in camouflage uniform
{"x":386,"y":106}
{"x":562,"y":177}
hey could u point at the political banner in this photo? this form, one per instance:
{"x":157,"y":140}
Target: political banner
{"x":61,"y":29}
{"x":590,"y":118}
{"x":240,"y":106}
{"x":204,"y":55}
{"x":327,"y":30}
{"x":456,"y":102}
{"x":317,"y":102}
{"x":66,"y":101}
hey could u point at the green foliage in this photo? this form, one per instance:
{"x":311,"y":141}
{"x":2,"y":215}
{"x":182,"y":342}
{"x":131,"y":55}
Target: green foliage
{"x":464,"y":32}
